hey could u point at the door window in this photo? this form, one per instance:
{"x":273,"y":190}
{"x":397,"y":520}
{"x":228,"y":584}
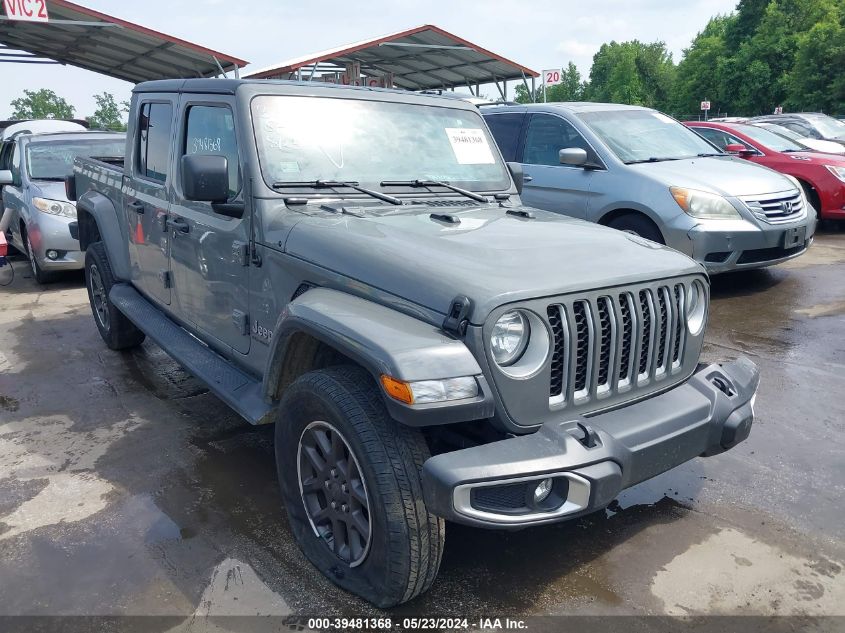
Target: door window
{"x":547,"y":135}
{"x":719,"y":138}
{"x":154,"y":126}
{"x":211,"y":130}
{"x":506,"y":128}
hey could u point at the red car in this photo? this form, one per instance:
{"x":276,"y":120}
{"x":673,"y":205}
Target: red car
{"x":821,"y":175}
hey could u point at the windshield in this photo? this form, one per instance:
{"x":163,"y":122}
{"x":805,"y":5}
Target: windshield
{"x":771,"y":140}
{"x":53,"y":160}
{"x":641,"y":135}
{"x":782,"y":131}
{"x":304,"y":139}
{"x":828,"y":126}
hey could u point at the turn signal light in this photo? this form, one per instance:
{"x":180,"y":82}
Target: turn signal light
{"x":397,"y":389}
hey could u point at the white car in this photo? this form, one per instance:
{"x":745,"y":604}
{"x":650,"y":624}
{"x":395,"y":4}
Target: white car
{"x":815,"y":144}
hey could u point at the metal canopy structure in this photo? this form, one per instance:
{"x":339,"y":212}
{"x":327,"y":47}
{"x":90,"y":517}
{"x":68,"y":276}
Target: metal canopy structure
{"x":79,"y":36}
{"x":422,"y":58}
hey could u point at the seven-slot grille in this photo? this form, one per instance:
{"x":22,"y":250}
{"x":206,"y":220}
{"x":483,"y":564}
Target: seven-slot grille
{"x":775,"y":209}
{"x":615,"y":342}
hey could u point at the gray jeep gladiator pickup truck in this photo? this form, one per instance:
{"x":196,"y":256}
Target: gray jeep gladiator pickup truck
{"x":355,"y":265}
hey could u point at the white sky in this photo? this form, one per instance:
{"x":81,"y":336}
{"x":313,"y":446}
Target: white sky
{"x":536,"y":33}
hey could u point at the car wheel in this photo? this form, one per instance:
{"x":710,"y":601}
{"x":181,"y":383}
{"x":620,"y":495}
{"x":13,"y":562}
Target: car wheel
{"x":637,"y":224}
{"x":38,"y":273}
{"x":116,"y":330}
{"x":350,"y":480}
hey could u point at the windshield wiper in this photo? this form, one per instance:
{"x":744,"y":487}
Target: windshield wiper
{"x":434,"y":183}
{"x":332,"y":184}
{"x":710,"y":154}
{"x":653,"y":159}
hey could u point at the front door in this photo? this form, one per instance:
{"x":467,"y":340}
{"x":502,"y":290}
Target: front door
{"x":548,"y":184}
{"x":146,"y":198}
{"x":210,"y":251}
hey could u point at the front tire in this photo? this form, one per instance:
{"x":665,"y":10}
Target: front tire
{"x":41,"y":276}
{"x":336,"y":444}
{"x":638,"y":225}
{"x":116,"y":330}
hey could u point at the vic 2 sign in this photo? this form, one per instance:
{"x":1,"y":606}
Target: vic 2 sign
{"x":28,"y":10}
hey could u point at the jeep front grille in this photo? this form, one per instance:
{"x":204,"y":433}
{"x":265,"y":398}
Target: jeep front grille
{"x":615,"y":342}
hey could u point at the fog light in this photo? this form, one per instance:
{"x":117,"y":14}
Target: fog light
{"x":543,"y":490}
{"x":52,"y":254}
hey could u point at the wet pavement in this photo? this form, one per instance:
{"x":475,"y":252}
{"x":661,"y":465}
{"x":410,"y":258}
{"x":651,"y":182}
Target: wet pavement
{"x":126,"y":488}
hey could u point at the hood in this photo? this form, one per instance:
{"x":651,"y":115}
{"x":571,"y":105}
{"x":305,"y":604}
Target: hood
{"x":51,"y":189}
{"x":491,"y":257}
{"x":728,"y":176}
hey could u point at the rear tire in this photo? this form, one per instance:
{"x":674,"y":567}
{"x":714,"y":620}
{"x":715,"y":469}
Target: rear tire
{"x":117,"y":331}
{"x":400,"y":557}
{"x":638,"y":225}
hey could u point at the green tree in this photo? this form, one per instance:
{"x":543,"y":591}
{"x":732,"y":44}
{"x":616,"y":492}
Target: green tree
{"x":700,"y":71}
{"x":108,"y":115}
{"x":571,"y":88}
{"x":632,"y":72}
{"x":41,"y":104}
{"x":817,"y":80}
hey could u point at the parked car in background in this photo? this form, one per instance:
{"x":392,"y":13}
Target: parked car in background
{"x":822,"y":176}
{"x":38,"y":126}
{"x":640,"y":171}
{"x":815,"y":144}
{"x":809,"y":124}
{"x":40,"y":219}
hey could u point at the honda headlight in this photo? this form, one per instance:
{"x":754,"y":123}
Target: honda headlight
{"x":509,"y":338}
{"x":704,"y":205}
{"x":55,"y":207}
{"x":839,"y":172}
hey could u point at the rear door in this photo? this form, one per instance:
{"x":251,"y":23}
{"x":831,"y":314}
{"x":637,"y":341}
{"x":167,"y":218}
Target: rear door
{"x":209,"y":251}
{"x":145,"y":188}
{"x":548,"y":184}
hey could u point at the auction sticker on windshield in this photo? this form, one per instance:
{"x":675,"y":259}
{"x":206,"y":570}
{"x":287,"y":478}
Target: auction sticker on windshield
{"x":470,"y":146}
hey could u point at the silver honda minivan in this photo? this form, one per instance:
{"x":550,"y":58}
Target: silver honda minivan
{"x":638,"y":170}
{"x":41,"y":221}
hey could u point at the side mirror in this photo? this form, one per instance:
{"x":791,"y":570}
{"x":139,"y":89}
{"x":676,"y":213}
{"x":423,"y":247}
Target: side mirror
{"x":6,"y":177}
{"x":574,"y":156}
{"x":518,"y":176}
{"x":738,"y":148}
{"x":205,"y":178}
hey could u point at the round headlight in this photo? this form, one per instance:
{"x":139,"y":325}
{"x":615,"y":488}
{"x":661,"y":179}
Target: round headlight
{"x":509,"y":338}
{"x":696,"y":308}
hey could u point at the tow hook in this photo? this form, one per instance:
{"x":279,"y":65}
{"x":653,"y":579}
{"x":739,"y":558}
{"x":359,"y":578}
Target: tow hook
{"x":585,"y":434}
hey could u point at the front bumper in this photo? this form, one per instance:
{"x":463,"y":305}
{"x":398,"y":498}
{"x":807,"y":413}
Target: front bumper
{"x":724,"y":246}
{"x":590,"y":460}
{"x":49,"y":232}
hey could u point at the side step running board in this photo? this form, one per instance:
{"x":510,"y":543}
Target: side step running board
{"x":236,"y":388}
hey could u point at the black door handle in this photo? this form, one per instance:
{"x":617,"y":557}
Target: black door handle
{"x":178,"y":224}
{"x":137,"y":206}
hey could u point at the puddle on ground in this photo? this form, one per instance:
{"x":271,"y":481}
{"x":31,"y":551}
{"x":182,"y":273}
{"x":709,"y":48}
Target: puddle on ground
{"x":732,"y":573}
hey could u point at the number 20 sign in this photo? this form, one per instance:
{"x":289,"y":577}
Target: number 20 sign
{"x":552,"y":77}
{"x":28,"y":10}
